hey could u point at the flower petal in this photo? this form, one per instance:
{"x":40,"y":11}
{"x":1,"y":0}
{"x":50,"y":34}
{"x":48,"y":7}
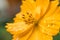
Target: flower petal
{"x":50,"y":25}
{"x":18,"y":28}
{"x":28,"y":7}
{"x":52,"y":7}
{"x":37,"y":35}
{"x":24,"y":37}
{"x":44,"y":4}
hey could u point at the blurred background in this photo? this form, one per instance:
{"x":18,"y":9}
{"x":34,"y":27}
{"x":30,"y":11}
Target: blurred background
{"x":8,"y":9}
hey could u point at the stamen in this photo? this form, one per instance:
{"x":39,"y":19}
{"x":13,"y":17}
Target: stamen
{"x":29,"y":18}
{"x":27,"y":13}
{"x":30,"y":15}
{"x":23,"y":15}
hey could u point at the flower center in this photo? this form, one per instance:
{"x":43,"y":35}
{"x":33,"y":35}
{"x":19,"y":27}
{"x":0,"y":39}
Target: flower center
{"x":28,"y":18}
{"x":32,"y":17}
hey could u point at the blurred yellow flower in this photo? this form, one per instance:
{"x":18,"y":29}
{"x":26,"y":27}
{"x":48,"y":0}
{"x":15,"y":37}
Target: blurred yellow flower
{"x":38,"y":20}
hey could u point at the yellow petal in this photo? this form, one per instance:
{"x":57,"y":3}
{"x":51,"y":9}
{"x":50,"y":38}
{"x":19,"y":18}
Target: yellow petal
{"x":50,"y":25}
{"x":24,"y":37}
{"x":44,"y":4}
{"x":45,"y":37}
{"x":56,"y":14}
{"x":37,"y":35}
{"x":18,"y":28}
{"x":27,"y":6}
{"x":52,"y":7}
{"x":49,"y":30}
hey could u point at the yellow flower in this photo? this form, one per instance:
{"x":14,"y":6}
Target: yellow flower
{"x":38,"y":20}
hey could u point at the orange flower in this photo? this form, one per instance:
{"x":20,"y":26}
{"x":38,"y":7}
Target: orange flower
{"x":38,"y":20}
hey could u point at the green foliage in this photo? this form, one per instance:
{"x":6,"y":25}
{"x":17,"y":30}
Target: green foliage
{"x":4,"y":35}
{"x":57,"y":37}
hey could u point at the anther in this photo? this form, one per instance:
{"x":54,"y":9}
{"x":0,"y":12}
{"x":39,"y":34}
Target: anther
{"x":30,"y":16}
{"x":23,"y":15}
{"x":27,"y":13}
